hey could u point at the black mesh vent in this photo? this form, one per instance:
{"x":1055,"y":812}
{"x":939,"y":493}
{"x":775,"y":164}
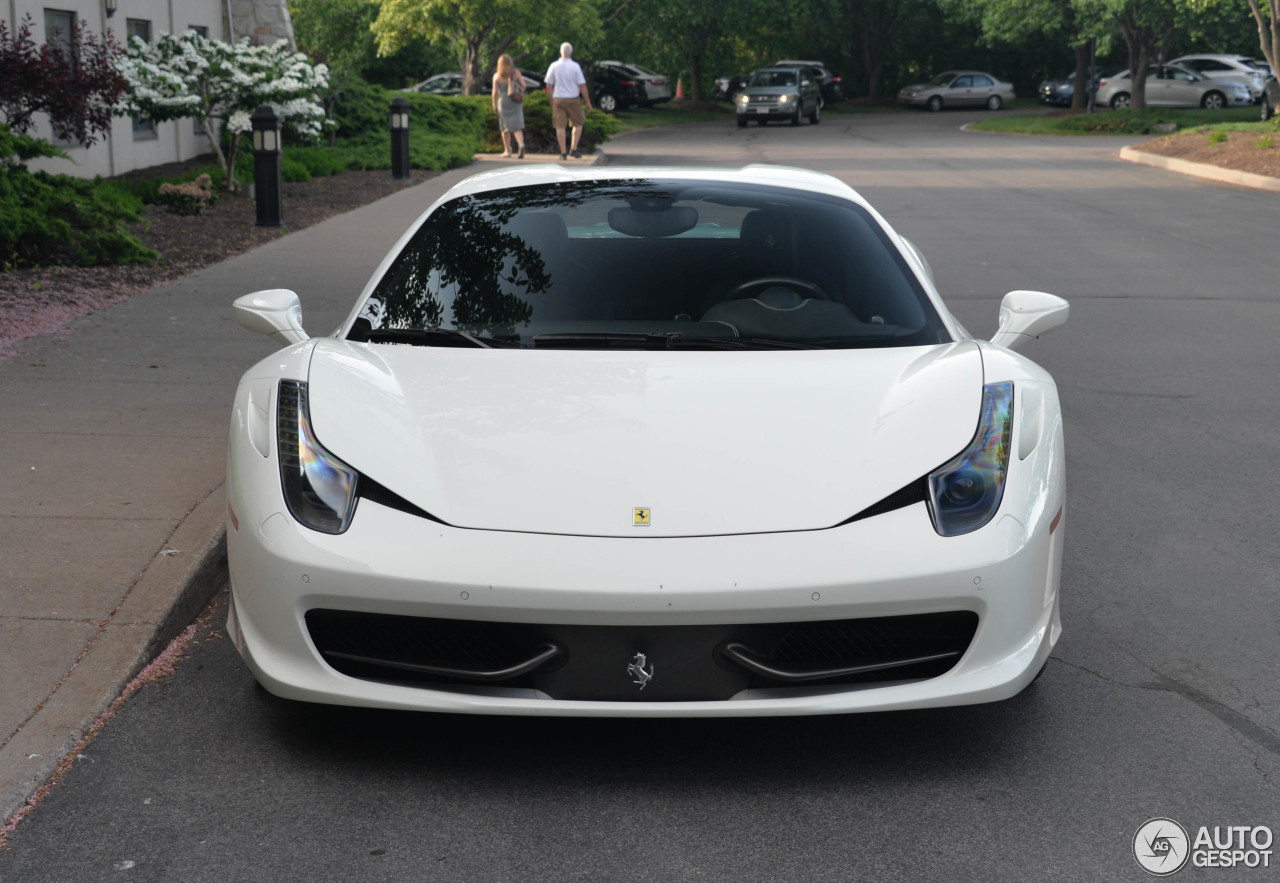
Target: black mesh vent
{"x":417,"y":640}
{"x":818,"y":645}
{"x":916,"y":492}
{"x":689,"y":661}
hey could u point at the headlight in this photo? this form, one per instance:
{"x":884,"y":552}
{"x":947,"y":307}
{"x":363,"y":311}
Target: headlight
{"x":965,"y":493}
{"x":743,"y":97}
{"x":319,"y":489}
{"x":783,"y":99}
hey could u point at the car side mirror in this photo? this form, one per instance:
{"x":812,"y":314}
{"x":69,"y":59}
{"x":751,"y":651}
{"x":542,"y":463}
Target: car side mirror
{"x":275,"y":312}
{"x":1027,"y":314}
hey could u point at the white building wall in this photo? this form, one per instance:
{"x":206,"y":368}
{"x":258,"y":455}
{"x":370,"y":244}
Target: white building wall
{"x":124,"y":150}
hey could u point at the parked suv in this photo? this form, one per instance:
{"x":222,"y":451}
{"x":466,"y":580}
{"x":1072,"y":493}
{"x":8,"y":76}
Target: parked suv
{"x":1232,"y":68}
{"x":828,"y":82}
{"x":780,"y":93}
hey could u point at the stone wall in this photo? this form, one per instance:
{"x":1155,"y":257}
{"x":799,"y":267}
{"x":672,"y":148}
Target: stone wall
{"x":262,"y":21}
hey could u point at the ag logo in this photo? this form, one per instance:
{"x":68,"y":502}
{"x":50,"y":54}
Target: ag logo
{"x":641,"y":516}
{"x":1161,"y":847}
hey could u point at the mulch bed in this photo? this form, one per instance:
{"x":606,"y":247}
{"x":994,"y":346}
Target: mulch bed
{"x":1241,"y":151}
{"x":44,"y":300}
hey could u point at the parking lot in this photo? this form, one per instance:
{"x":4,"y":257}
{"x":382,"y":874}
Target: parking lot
{"x":1160,"y":701}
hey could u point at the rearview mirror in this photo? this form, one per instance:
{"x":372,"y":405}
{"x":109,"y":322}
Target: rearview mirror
{"x":1028,"y":314}
{"x":275,"y":312}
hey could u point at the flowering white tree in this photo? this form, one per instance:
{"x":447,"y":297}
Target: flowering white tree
{"x":208,"y":80}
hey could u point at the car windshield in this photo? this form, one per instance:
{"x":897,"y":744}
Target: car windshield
{"x":772,"y":79}
{"x":942,"y":79}
{"x":642,"y":263}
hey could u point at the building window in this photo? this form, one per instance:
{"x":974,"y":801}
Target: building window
{"x":196,"y":126}
{"x":57,"y":34}
{"x":144,"y":128}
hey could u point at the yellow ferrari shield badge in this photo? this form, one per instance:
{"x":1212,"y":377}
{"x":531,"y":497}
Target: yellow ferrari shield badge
{"x":641,"y":516}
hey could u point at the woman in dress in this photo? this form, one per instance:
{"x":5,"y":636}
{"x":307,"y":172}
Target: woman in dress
{"x":507,"y":82}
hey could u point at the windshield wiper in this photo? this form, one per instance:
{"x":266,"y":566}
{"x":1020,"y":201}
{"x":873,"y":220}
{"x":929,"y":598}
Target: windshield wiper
{"x":670,"y":340}
{"x":436,"y":337}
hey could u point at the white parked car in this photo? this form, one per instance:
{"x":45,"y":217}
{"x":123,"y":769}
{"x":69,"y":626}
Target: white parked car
{"x":1170,"y":85}
{"x":1235,"y":68}
{"x":634,"y":442}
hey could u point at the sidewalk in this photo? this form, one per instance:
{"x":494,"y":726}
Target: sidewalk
{"x":114,"y":449}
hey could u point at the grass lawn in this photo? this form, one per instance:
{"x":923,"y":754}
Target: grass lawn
{"x":672,"y":113}
{"x":1125,"y":122}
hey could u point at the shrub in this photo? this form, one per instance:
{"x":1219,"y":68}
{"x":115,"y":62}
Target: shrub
{"x":293,"y":171}
{"x":71,"y":77}
{"x":1218,"y":136}
{"x":1116,"y":122}
{"x":539,"y":135}
{"x":1266,"y":142}
{"x":321,"y":162}
{"x":190,"y":198}
{"x":443,"y":131}
{"x":59,"y":219}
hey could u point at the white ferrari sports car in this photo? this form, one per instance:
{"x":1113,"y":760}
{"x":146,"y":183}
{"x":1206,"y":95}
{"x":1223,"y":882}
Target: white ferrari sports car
{"x":647,"y":442}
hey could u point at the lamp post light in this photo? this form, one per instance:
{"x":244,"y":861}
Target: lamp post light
{"x":267,"y":177}
{"x":400,"y":139}
{"x":111,"y":7}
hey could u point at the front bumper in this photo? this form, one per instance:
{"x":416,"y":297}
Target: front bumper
{"x":392,"y":563}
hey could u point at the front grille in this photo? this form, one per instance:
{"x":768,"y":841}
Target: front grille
{"x":686,"y":663}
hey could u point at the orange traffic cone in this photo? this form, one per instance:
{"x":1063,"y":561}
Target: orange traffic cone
{"x":680,"y":87}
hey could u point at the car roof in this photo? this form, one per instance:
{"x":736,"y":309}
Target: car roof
{"x":759,"y":173}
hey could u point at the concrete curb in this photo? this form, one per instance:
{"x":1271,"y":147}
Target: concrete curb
{"x":595,"y":159}
{"x":151,"y":614}
{"x":1201,"y":170}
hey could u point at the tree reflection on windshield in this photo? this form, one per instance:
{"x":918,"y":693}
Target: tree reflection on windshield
{"x":466,"y":269}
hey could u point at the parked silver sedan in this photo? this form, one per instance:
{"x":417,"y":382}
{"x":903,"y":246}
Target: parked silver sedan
{"x":958,"y":89}
{"x":1169,"y":85}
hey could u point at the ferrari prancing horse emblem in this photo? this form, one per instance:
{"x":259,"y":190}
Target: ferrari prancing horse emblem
{"x":636,"y":670}
{"x":641,"y":516}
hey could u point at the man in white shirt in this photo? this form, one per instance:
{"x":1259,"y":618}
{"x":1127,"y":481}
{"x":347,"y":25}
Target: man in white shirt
{"x":568,"y":96}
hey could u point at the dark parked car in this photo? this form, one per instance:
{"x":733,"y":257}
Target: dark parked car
{"x":828,"y":82}
{"x":780,"y":93}
{"x":727,"y":88}
{"x":1062,"y":90}
{"x":655,"y":87}
{"x":616,"y":90}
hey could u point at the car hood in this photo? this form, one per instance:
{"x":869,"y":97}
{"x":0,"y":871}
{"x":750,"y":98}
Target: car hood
{"x":919,"y":87}
{"x":572,"y":442}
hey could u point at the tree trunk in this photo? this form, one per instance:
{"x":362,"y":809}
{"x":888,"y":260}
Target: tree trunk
{"x":1269,"y":32}
{"x":215,"y":143}
{"x":1138,"y":40}
{"x":695,"y":77}
{"x":1080,"y":97}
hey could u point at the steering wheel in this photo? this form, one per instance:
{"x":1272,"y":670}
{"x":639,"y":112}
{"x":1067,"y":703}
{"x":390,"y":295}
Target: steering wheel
{"x":799,"y":286}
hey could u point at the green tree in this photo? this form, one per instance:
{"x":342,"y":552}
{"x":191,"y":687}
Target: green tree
{"x":220,"y":85}
{"x":1268,"y":21}
{"x":478,"y":31}
{"x":339,"y":33}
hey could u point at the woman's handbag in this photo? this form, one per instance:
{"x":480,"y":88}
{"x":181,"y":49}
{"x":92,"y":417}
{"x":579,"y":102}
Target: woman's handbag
{"x":515,"y":89}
